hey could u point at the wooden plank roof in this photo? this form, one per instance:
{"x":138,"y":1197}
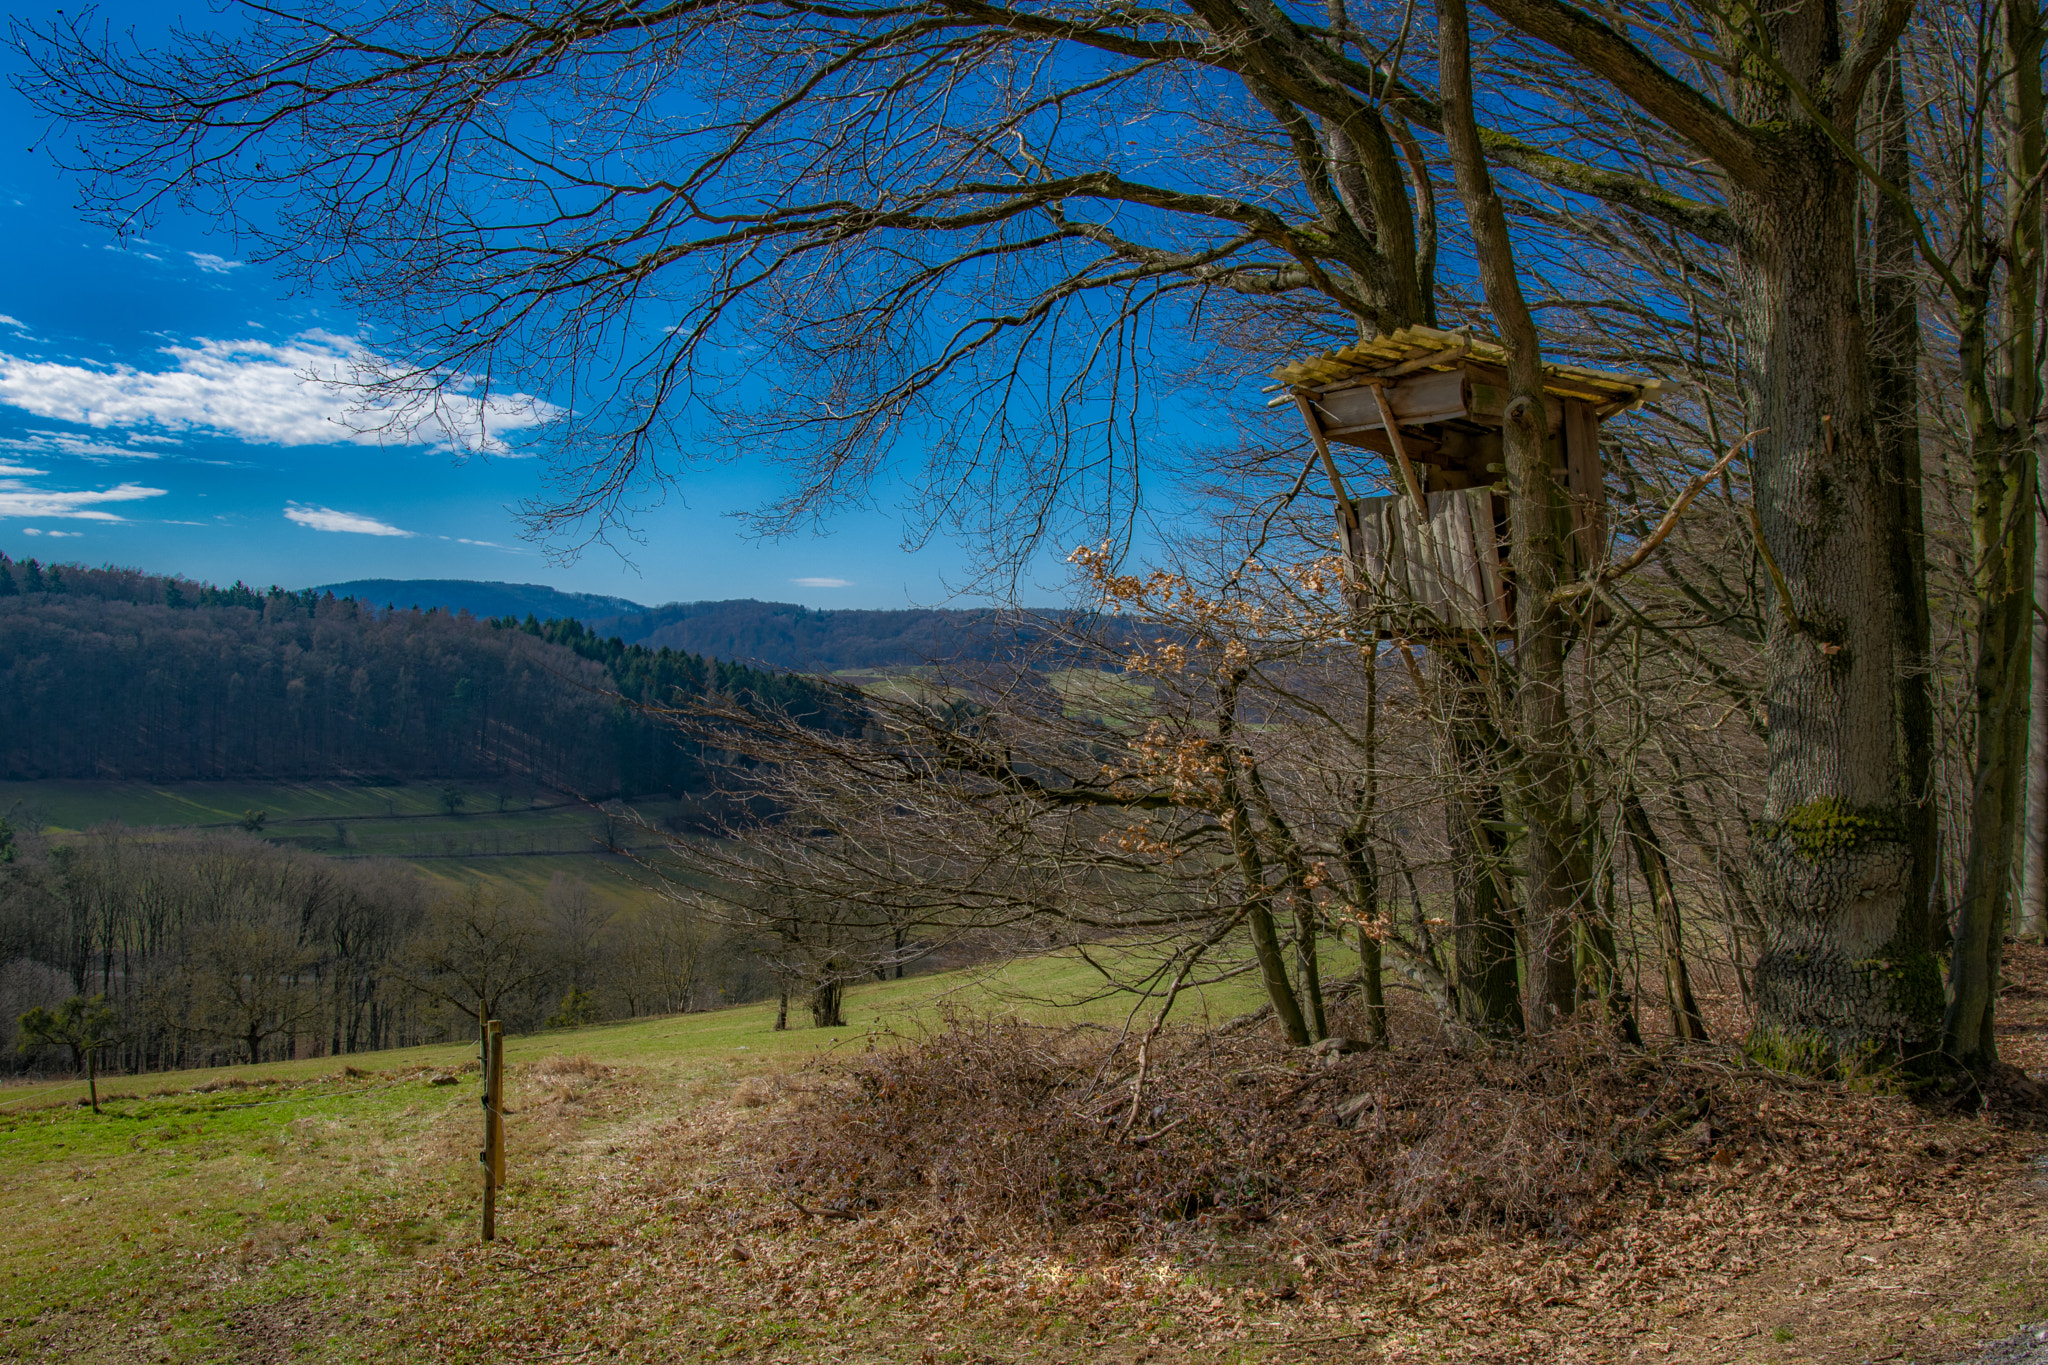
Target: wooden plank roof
{"x":1426,"y":348}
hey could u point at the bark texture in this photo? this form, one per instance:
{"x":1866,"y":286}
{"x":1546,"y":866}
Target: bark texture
{"x":1539,"y":517}
{"x":1846,"y":972}
{"x":1845,"y":978}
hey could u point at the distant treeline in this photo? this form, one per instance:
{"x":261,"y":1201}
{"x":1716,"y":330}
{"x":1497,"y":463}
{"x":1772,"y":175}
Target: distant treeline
{"x":111,"y":673}
{"x":220,"y":948}
{"x":781,"y":635}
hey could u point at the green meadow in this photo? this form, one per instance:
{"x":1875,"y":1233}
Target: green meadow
{"x":516,"y":833}
{"x":200,"y":1202}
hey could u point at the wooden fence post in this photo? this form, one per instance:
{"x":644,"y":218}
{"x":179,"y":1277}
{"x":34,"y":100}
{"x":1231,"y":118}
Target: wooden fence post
{"x":492,"y":1046}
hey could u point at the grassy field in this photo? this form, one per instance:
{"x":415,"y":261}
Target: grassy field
{"x":519,"y":836}
{"x":202,"y":1204}
{"x":71,"y":805}
{"x":326,"y":1211}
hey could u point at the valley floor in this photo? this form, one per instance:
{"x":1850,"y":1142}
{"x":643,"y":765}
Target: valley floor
{"x":318,"y":1212}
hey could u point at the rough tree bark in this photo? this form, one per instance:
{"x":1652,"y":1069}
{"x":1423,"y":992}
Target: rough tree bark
{"x":1846,"y":976}
{"x":1537,"y":515}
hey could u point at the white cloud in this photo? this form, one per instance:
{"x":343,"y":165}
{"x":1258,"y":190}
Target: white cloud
{"x":16,"y":323}
{"x":327,"y":519}
{"x":316,"y":389}
{"x":213,"y":265}
{"x":130,"y":251}
{"x":54,"y":535}
{"x":19,"y":500}
{"x":84,"y":447}
{"x":19,"y":471}
{"x":822,"y":582}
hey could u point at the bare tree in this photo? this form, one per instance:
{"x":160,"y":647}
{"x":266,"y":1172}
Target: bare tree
{"x":966,"y":224}
{"x":477,"y":949}
{"x":247,"y":979}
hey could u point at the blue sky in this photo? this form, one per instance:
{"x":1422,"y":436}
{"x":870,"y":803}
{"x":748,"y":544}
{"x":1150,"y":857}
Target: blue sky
{"x":152,"y":414}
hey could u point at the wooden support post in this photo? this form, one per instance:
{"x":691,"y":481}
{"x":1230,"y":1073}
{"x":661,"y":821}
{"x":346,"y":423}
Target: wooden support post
{"x":1322,"y":444}
{"x":1393,"y":430}
{"x":492,"y":1157}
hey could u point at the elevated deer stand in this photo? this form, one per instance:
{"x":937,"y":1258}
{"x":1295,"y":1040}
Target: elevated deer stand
{"x":1429,"y":560}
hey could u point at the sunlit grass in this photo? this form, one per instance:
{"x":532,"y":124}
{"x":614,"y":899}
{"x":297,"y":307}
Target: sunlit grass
{"x":198,"y":1193}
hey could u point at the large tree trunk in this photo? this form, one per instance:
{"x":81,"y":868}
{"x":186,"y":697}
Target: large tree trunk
{"x":1846,"y":977}
{"x":1539,"y":518}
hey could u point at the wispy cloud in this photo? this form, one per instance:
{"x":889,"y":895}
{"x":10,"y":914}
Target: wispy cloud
{"x":327,"y":519}
{"x":212,"y":264}
{"x":20,"y":500}
{"x":317,"y":389}
{"x":85,"y":447}
{"x":39,"y":531}
{"x":822,"y":582}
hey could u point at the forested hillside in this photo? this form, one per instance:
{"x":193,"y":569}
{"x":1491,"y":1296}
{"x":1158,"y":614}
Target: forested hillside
{"x":483,"y":598}
{"x":778,"y":635}
{"x":782,"y":635}
{"x":109,"y":673}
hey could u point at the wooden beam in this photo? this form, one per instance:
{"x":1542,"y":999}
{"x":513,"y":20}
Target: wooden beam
{"x":1393,"y":429}
{"x":1315,"y":433}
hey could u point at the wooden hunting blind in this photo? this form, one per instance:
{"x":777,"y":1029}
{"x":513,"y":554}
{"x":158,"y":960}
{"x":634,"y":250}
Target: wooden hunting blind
{"x":1430,"y":558}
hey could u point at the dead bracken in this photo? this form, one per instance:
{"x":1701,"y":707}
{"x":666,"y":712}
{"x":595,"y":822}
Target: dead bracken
{"x":1383,"y":1152}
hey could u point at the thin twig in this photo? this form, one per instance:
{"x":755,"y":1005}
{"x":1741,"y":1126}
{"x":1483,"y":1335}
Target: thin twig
{"x":821,"y":1213}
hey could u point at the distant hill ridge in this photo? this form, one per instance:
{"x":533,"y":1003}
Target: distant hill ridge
{"x":111,"y":673}
{"x":483,"y":598}
{"x":780,"y":635}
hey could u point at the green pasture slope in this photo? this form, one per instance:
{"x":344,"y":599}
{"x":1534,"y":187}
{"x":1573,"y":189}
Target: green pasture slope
{"x":199,"y":1199}
{"x":513,"y":834}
